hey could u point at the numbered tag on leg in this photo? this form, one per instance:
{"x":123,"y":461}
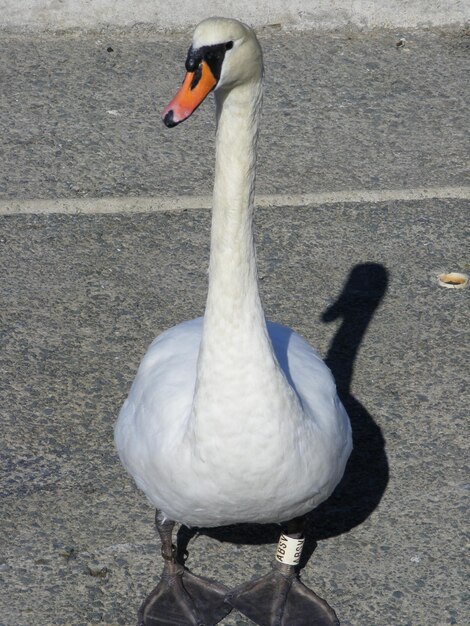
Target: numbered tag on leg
{"x":289,"y":550}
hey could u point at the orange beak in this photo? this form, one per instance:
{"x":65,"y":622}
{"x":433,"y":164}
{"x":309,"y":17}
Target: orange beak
{"x":196,"y":86}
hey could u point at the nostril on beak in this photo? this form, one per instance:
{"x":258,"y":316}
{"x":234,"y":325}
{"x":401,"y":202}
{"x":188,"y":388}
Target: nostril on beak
{"x":168,"y":119}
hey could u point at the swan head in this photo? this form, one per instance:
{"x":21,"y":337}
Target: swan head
{"x":224,"y":54}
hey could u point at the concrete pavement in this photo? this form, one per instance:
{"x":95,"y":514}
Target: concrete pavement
{"x":341,"y":112}
{"x":37,"y":15}
{"x":83,"y":296}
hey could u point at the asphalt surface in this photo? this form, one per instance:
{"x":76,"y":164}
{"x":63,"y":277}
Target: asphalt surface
{"x":83,"y":296}
{"x":341,"y":112}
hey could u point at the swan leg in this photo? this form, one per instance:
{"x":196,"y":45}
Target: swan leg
{"x":279,"y":598}
{"x":180,"y":597}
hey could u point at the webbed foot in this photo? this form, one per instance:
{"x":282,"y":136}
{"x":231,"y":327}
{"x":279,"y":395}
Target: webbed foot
{"x":280,"y":599}
{"x":184,"y":599}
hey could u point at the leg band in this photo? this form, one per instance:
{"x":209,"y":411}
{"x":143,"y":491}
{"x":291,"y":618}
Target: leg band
{"x":289,"y":550}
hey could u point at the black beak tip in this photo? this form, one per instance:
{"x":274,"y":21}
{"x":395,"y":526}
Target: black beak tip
{"x":168,"y":119}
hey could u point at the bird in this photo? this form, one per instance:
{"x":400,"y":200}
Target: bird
{"x":232,"y":418}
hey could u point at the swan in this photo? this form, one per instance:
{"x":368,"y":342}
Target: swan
{"x":232,"y":418}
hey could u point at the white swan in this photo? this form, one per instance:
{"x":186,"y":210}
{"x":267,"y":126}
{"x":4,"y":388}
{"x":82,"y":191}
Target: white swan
{"x":231,"y":418}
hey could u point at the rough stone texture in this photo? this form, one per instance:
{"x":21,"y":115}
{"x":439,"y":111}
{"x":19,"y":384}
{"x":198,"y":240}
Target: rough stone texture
{"x":341,"y":112}
{"x":299,"y":14}
{"x":83,"y":296}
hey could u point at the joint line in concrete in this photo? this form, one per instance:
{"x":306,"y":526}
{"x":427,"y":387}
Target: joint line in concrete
{"x":131,"y":204}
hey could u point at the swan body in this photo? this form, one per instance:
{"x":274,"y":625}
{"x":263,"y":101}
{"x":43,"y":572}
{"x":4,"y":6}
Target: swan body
{"x":258,"y":469}
{"x":231,"y":418}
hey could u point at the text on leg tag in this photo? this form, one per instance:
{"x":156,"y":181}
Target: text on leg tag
{"x":289,"y":550}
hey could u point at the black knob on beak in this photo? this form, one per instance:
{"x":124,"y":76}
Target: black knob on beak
{"x":168,"y":119}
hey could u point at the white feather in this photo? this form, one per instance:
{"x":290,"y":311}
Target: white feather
{"x":231,"y":419}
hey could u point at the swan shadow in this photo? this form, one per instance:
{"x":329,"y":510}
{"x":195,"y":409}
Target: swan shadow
{"x":367,"y":473}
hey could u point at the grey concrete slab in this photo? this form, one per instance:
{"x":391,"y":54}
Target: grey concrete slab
{"x":342,"y":111}
{"x":83,"y":296}
{"x":298,"y":14}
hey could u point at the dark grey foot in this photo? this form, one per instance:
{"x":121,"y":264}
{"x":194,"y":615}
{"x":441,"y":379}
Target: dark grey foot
{"x":280,"y":599}
{"x":184,"y":599}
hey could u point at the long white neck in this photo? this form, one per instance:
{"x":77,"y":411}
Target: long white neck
{"x":236,"y":361}
{"x":233,"y":297}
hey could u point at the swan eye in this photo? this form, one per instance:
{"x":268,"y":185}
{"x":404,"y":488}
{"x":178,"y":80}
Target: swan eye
{"x":212,"y":55}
